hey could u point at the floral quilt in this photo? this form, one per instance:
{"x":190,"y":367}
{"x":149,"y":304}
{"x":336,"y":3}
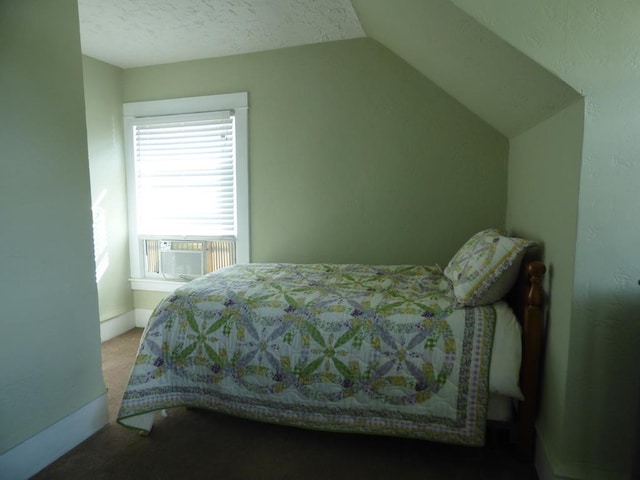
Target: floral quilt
{"x":357,"y":348}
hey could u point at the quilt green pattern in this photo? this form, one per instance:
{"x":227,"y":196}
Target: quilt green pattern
{"x":371,"y":349}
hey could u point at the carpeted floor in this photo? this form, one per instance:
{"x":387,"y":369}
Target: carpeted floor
{"x":192,"y":444}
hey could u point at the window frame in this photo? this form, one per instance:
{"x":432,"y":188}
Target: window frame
{"x":238,"y":102}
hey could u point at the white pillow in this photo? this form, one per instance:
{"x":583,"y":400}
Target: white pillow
{"x":506,"y":354}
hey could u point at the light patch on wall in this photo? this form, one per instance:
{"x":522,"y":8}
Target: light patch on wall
{"x":100,"y":237}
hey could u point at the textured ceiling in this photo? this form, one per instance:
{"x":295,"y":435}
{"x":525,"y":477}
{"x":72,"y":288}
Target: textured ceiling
{"x":134,"y":33}
{"x":455,"y":48}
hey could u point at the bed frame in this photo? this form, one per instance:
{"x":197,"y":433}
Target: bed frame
{"x":527,"y":301}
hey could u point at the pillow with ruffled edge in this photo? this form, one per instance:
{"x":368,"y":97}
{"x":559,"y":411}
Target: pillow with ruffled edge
{"x":486,"y":267}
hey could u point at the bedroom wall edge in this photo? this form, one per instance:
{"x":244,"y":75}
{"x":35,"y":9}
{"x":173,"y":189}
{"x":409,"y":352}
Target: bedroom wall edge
{"x":34,"y":454}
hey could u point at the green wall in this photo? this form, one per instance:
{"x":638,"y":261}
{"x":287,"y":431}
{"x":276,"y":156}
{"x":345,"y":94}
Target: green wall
{"x":573,"y":182}
{"x":603,"y":382}
{"x":103,"y":99}
{"x":50,"y":343}
{"x":147,"y":299}
{"x":544,"y":181}
{"x":592,"y":46}
{"x":354,"y":156}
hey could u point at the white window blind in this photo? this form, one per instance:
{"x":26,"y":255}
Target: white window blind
{"x":187,"y":185}
{"x":185,"y":175}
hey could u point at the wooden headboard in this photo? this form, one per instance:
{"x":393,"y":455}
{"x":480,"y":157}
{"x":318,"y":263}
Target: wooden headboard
{"x":527,"y":301}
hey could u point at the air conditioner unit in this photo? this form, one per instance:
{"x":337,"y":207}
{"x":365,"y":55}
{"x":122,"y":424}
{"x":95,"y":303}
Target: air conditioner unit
{"x":181,"y":258}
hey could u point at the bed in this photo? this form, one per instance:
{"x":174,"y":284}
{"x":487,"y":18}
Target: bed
{"x":403,"y":350}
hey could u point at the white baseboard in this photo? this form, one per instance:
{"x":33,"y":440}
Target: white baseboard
{"x":142,"y":316}
{"x":117,"y":326}
{"x":36,"y":453}
{"x":123,"y":323}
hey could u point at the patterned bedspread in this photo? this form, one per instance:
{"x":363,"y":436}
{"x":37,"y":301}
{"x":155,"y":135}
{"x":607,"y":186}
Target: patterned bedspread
{"x":371,"y":349}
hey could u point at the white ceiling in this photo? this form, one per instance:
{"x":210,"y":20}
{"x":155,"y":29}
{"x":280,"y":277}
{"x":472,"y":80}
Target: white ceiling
{"x":135,"y":33}
{"x":460,"y":53}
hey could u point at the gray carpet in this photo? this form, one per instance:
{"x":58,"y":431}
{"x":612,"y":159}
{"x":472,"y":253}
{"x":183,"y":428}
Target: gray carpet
{"x":192,"y":444}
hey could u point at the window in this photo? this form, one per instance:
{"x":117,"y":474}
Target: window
{"x":187,"y":179}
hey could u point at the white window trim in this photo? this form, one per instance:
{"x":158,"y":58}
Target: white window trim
{"x":232,"y":101}
{"x":154,"y":285}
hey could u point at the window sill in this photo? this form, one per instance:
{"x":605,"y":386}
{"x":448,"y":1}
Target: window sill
{"x":154,"y":285}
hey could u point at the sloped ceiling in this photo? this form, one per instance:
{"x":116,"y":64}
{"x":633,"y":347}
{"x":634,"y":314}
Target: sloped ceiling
{"x":451,"y":47}
{"x":591,"y":44}
{"x":494,"y":80}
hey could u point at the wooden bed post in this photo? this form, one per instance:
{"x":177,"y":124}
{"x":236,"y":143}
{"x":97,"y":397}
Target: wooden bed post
{"x":533,"y":331}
